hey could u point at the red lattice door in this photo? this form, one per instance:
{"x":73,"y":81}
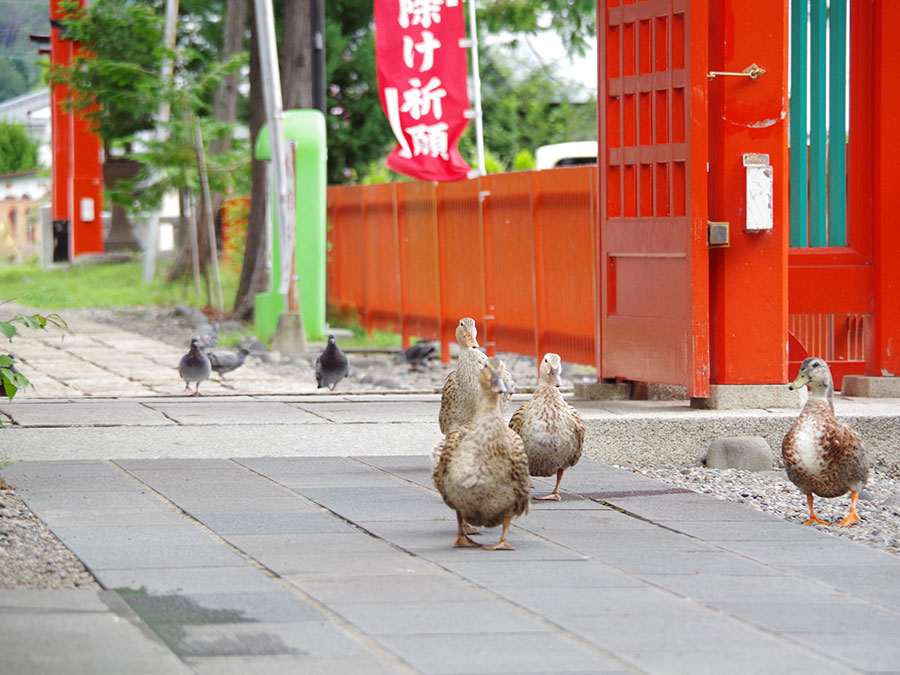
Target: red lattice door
{"x":652,"y":109}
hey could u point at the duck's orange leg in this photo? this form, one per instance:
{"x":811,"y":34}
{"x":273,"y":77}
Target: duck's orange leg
{"x":462,"y":539}
{"x":502,"y":545}
{"x":812,"y":514}
{"x":853,"y":516}
{"x":554,"y":496}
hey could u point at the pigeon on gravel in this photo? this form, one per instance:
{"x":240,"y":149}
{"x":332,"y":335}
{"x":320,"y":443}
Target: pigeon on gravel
{"x":194,"y":367}
{"x":209,"y":336}
{"x":224,"y":360}
{"x":331,"y":366}
{"x":417,"y":355}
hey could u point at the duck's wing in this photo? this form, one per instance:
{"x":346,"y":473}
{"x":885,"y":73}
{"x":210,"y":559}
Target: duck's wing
{"x":449,"y":402}
{"x":847,"y":449}
{"x":518,"y":418}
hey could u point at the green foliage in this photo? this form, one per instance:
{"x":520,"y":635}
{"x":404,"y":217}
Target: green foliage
{"x":122,"y":72}
{"x":573,"y":20}
{"x":11,"y":381}
{"x":20,"y":69}
{"x":102,"y":285}
{"x":523,"y":161}
{"x":358,"y":133}
{"x":17,"y":151}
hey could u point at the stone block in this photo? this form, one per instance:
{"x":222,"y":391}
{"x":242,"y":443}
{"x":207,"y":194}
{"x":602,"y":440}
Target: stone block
{"x":748,"y":397}
{"x":871,"y":387}
{"x":603,"y":391}
{"x":749,"y":453}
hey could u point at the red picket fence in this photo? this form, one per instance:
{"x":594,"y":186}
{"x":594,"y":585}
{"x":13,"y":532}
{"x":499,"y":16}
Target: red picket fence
{"x":517,"y":252}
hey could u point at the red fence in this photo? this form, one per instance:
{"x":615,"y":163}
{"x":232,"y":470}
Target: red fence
{"x":517,"y":252}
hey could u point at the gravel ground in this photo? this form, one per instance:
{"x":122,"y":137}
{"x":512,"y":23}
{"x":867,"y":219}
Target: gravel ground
{"x":32,"y":557}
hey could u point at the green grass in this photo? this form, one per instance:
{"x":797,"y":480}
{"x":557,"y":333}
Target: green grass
{"x":103,"y":285}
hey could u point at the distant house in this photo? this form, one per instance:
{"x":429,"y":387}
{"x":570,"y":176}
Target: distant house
{"x":21,"y":193}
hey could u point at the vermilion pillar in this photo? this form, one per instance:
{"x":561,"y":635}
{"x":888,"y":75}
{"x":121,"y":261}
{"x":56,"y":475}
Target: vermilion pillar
{"x":748,"y":279}
{"x":77,"y":191}
{"x":885,"y":357}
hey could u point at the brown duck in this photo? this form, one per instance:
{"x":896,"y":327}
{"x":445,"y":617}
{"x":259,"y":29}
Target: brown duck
{"x":482,"y":470}
{"x":821,"y":455}
{"x":552,"y":431}
{"x":461,"y":391}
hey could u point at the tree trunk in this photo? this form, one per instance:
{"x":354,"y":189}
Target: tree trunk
{"x":253,"y":272}
{"x":225,"y":103}
{"x":296,"y":61}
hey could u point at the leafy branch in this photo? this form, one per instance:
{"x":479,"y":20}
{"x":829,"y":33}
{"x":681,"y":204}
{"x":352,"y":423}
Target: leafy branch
{"x":11,"y":380}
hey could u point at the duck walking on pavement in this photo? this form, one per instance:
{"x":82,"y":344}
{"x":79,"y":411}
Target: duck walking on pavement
{"x":823,"y":456}
{"x":224,"y":360}
{"x":552,"y":431}
{"x":194,"y":367}
{"x":331,"y":366}
{"x":482,"y":470}
{"x":461,"y":391}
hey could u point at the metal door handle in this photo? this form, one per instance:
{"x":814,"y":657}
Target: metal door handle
{"x":752,"y":71}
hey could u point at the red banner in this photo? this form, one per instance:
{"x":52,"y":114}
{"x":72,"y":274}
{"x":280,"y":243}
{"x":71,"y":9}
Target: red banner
{"x":422,"y":74}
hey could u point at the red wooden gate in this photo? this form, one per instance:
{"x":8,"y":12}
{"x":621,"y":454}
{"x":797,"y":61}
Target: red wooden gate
{"x":652,"y":108}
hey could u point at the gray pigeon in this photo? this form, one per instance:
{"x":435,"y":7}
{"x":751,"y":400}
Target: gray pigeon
{"x":194,"y":367}
{"x":209,"y":336}
{"x":418,"y":354}
{"x":331,"y":366}
{"x":224,"y":360}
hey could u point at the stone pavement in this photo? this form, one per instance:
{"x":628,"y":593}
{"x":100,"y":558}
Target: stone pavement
{"x":252,"y":532}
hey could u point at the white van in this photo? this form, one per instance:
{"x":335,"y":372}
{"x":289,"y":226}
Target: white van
{"x":565,"y":154}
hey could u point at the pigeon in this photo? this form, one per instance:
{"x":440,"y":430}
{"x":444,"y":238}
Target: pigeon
{"x":331,"y":366}
{"x":418,"y":354}
{"x":224,"y":360}
{"x":194,"y":367}
{"x":209,"y":336}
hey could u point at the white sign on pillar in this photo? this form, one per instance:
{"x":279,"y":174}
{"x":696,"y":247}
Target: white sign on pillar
{"x":287,"y":229}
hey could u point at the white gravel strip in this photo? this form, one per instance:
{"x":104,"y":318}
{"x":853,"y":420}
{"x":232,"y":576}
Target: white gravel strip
{"x":771,"y":491}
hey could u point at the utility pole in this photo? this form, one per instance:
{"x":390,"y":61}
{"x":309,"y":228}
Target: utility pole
{"x":290,"y":336}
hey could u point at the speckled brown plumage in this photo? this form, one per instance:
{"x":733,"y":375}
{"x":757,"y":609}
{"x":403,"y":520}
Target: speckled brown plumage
{"x":552,"y":431}
{"x":823,"y":456}
{"x":482,"y":470}
{"x":459,"y":396}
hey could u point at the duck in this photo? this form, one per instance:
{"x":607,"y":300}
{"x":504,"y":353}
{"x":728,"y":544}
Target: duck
{"x":194,"y":366}
{"x":823,"y":456}
{"x":482,"y":471}
{"x":460,"y":392}
{"x":224,"y":360}
{"x":331,"y":365}
{"x":552,"y":431}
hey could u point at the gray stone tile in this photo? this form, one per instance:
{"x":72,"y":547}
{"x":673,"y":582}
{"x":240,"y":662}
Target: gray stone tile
{"x":220,"y":607}
{"x":750,"y":659}
{"x":436,"y":618}
{"x":372,"y":411}
{"x":691,"y":507}
{"x":149,"y":554}
{"x":68,"y":476}
{"x":312,"y":639}
{"x":231,"y":412}
{"x":175,"y":580}
{"x":495,"y":571}
{"x":720,"y":589}
{"x":559,"y":604}
{"x":870,"y":652}
{"x":359,"y":504}
{"x":48,"y":504}
{"x":400,"y":587}
{"x":768,"y":531}
{"x":845,"y":618}
{"x":825,"y":551}
{"x":69,"y":633}
{"x":288,"y":664}
{"x":684,"y":562}
{"x":110,"y":413}
{"x":274,"y":523}
{"x":433,"y":539}
{"x":485,"y":653}
{"x":871,"y":582}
